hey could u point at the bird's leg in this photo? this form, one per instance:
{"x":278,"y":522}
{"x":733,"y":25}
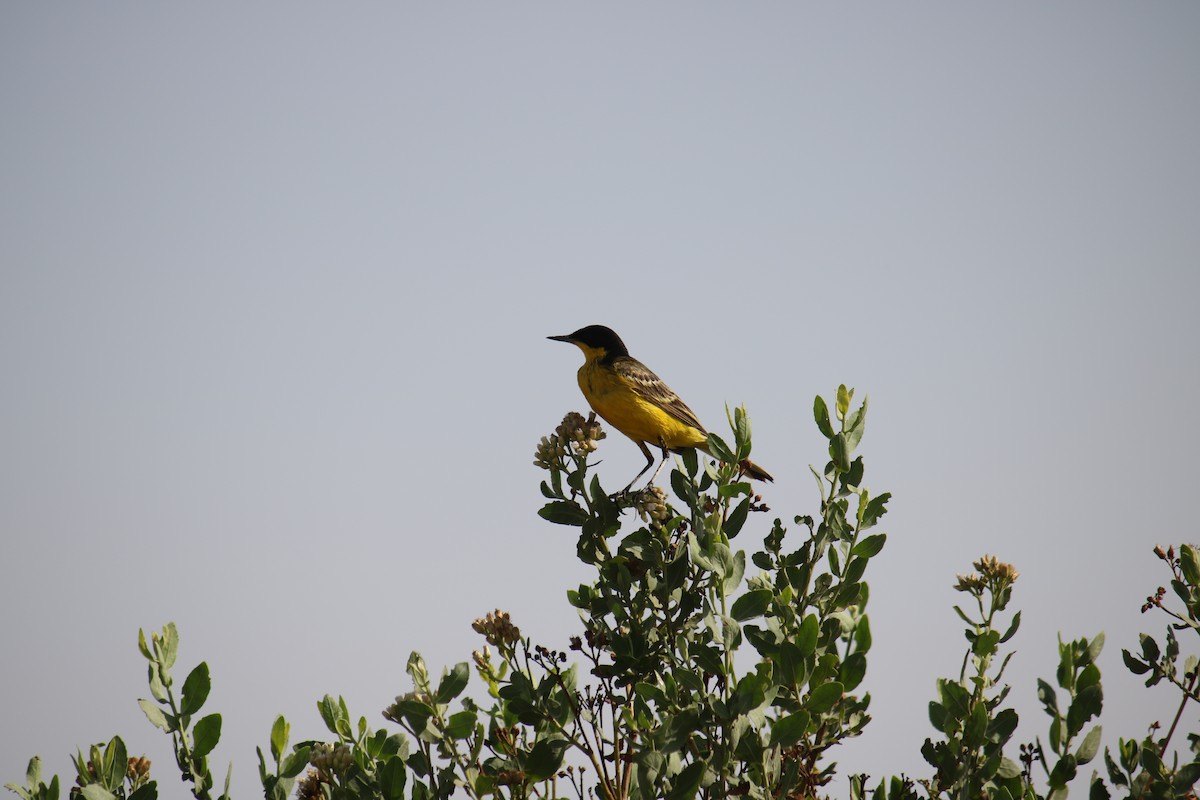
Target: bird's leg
{"x":649,"y":464}
{"x":665,"y":454}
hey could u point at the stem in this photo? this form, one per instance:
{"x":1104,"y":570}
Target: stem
{"x":183,"y":748}
{"x":629,"y":767}
{"x":729,"y":676}
{"x":455,"y":756}
{"x":581,"y":468}
{"x":1186,"y":696}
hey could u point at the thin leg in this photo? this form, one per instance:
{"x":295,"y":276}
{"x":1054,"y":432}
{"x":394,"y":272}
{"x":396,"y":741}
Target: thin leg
{"x":661,"y":464}
{"x":649,"y":464}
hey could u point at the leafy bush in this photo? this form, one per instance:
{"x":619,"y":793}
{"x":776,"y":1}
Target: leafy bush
{"x":691,"y":677}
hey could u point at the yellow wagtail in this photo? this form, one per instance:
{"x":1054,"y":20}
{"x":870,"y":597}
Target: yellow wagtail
{"x":637,"y":402}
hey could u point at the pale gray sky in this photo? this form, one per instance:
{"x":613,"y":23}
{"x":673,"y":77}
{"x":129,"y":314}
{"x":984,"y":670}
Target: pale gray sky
{"x":275,"y":281}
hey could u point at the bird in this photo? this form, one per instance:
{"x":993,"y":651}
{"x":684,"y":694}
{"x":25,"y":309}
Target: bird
{"x":638,"y":403}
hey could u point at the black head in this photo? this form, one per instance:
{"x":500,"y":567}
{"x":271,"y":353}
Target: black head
{"x":596,"y":338}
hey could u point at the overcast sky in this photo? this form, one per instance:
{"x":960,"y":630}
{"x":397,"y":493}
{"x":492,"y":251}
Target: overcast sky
{"x":275,"y":281}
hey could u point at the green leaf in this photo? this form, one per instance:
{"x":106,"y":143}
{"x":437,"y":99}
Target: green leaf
{"x":1048,"y":697}
{"x":1063,"y":773}
{"x":733,"y":569}
{"x":329,"y":711}
{"x":94,"y":791}
{"x":33,"y":773}
{"x":195,"y":690}
{"x":1189,"y":564}
{"x":1001,"y":728}
{"x":1153,"y":763}
{"x":678,"y":729}
{"x":295,"y":763}
{"x":955,"y":698}
{"x":1012,"y":628}
{"x":545,"y":758}
{"x":854,"y":476}
{"x":1094,"y":647}
{"x":279,"y":737}
{"x":751,"y":604}
{"x":824,"y":697}
{"x":1087,"y":704}
{"x":748,"y":695}
{"x":155,"y":715}
{"x":1090,"y":676}
{"x":862,"y":635}
{"x":1098,"y":791}
{"x":731,"y":633}
{"x":875,"y":510}
{"x":685,"y":785}
{"x":461,"y":725}
{"x":854,"y":571}
{"x":683,"y":487}
{"x":740,"y":425}
{"x":844,"y":396}
{"x":563,"y":512}
{"x":376,"y":743}
{"x":1114,"y":771}
{"x":158,"y":688}
{"x":603,"y":505}
{"x":453,"y":682}
{"x":976,"y":725}
{"x":855,"y":426}
{"x":1134,"y":666}
{"x":871,"y":545}
{"x":940,"y":719}
{"x":1187,"y":776}
{"x":790,"y":729}
{"x":852,"y":671}
{"x":985,"y":643}
{"x":736,"y":519}
{"x":963,"y":616}
{"x":691,"y":461}
{"x":821,"y":414}
{"x":207,"y":733}
{"x":147,"y":791}
{"x":1183,"y":591}
{"x":391,"y":779}
{"x":838,"y":453}
{"x":116,"y":762}
{"x":720,"y":450}
{"x":169,"y":645}
{"x":1057,"y":733}
{"x":1089,"y":746}
{"x":806,"y":637}
{"x":1150,"y":650}
{"x":820,"y":481}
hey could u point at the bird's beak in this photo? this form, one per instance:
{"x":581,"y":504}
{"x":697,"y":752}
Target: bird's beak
{"x":566,"y":338}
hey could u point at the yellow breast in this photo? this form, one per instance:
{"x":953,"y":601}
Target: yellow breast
{"x":614,"y":399}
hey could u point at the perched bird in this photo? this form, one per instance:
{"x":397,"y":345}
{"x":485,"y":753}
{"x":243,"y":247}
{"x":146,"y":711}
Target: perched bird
{"x":636,"y":402}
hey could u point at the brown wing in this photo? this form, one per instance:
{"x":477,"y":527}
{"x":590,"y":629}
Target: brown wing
{"x":650,"y":387}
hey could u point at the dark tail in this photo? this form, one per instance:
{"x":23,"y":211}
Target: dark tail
{"x":755,"y":471}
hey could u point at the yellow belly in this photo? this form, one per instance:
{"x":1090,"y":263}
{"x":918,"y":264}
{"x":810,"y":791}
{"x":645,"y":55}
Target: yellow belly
{"x":639,"y":419}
